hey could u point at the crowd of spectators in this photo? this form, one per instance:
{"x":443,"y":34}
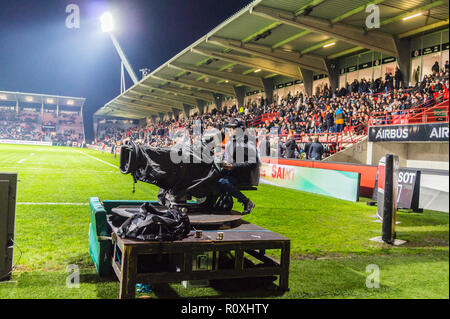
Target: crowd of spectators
{"x":29,"y":125}
{"x":300,"y":114}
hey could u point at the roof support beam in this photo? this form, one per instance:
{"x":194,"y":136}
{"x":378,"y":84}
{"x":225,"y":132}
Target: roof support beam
{"x":154,"y":106}
{"x":423,"y":29}
{"x":258,"y":63}
{"x":345,"y":52}
{"x":210,"y":87}
{"x":373,"y":40}
{"x":139,"y":107}
{"x":125,"y":107}
{"x":308,"y":79}
{"x":310,"y":62}
{"x":123,"y":114}
{"x":180,"y":91}
{"x":250,"y":81}
{"x":153,"y":94}
{"x":416,"y":10}
{"x":334,"y":20}
{"x":155,"y":99}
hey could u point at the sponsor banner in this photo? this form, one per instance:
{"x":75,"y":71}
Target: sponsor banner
{"x":435,"y":132}
{"x":333,"y":183}
{"x":26,"y":142}
{"x":408,"y":187}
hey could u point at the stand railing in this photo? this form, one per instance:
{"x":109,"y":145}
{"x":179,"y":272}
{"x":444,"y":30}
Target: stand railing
{"x":417,"y":115}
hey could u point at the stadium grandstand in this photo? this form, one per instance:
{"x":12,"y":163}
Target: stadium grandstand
{"x":40,"y":118}
{"x":303,"y":69}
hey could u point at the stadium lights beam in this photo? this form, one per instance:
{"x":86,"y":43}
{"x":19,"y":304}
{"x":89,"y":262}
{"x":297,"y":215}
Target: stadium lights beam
{"x":413,"y":16}
{"x":107,"y":21}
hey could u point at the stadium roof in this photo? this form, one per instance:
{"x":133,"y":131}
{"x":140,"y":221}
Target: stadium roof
{"x":269,"y":38}
{"x":45,"y":99}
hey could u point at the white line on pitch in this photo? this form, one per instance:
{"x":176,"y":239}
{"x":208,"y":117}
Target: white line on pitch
{"x":21,"y":161}
{"x":55,"y":204}
{"x":98,"y":159}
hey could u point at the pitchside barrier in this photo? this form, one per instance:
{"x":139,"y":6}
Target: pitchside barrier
{"x":368,"y":173}
{"x":333,"y":183}
{"x":418,"y":188}
{"x":26,"y":142}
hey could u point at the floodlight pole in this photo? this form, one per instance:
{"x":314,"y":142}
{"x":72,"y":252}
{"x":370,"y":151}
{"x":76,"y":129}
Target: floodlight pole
{"x":124,"y":59}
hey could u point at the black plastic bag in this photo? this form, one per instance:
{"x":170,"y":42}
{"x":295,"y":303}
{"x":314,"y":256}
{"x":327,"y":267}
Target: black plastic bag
{"x":150,"y":224}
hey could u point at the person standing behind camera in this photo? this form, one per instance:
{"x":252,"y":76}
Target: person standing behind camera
{"x":291,"y":146}
{"x":316,"y":149}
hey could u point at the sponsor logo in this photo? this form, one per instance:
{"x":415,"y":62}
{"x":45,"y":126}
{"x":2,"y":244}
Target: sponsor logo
{"x":439,"y":132}
{"x":284,"y":173}
{"x":390,"y":133}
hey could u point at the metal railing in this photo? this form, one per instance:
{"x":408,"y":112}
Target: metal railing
{"x":417,"y":115}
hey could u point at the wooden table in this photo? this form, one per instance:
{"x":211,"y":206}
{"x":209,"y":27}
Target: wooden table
{"x":246,"y":238}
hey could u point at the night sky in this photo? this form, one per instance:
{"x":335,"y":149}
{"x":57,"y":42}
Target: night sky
{"x":39,"y":54}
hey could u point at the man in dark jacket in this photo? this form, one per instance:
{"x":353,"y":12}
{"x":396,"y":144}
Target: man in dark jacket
{"x":291,"y":146}
{"x":316,"y":150}
{"x":241,"y":164}
{"x":307,"y":147}
{"x":398,"y":78}
{"x":264,"y":145}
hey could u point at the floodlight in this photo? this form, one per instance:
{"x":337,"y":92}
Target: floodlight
{"x":29,"y":99}
{"x":3,"y":97}
{"x":413,"y":16}
{"x":329,"y":45}
{"x":50,"y":101}
{"x":107,"y":21}
{"x":70,"y":102}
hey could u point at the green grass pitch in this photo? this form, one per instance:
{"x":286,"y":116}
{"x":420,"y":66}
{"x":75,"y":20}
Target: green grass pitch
{"x":330,"y":249}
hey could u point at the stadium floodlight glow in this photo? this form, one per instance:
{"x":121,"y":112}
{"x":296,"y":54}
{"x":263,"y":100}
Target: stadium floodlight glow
{"x":107,"y":21}
{"x":3,"y":97}
{"x":329,"y":45}
{"x":50,"y":101}
{"x":413,"y":16}
{"x":70,"y":102}
{"x":29,"y":99}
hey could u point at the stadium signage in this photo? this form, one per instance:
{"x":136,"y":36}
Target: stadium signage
{"x":430,"y":50}
{"x":408,"y":188}
{"x":333,"y":183}
{"x":26,"y":142}
{"x":436,"y":132}
{"x":367,"y":65}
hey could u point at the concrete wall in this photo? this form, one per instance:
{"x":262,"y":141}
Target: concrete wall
{"x":356,"y":154}
{"x":428,"y":155}
{"x":415,"y":155}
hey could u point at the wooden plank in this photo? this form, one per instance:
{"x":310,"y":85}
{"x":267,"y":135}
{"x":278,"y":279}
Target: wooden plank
{"x":128,"y":274}
{"x":170,"y":277}
{"x":285,"y":259}
{"x":239,"y":260}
